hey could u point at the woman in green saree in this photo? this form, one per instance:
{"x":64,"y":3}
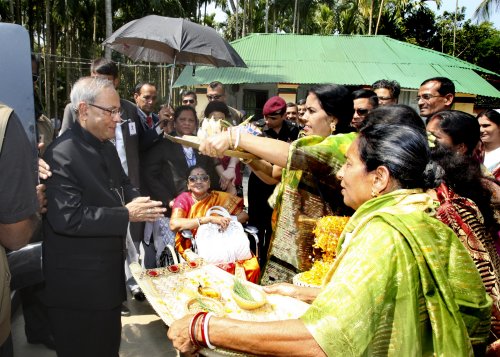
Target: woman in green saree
{"x":402,"y":285}
{"x":309,"y":186}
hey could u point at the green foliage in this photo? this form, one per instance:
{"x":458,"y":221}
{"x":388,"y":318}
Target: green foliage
{"x":323,"y":18}
{"x":77,"y":29}
{"x":489,"y":53}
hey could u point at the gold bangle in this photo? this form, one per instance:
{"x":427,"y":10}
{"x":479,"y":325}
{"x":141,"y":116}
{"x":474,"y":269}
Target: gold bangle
{"x":246,"y":161}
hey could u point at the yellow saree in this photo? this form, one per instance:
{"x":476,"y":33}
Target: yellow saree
{"x":185,"y":207}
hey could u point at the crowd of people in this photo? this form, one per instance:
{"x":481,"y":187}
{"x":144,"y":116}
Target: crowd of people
{"x":417,"y":269}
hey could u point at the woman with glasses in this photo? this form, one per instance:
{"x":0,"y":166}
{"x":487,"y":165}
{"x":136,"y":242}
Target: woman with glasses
{"x":189,"y":210}
{"x":308,"y":184}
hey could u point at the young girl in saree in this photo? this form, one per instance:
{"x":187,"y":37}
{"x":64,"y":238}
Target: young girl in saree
{"x":403,"y":284}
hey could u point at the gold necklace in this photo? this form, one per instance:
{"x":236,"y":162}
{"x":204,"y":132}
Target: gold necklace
{"x":199,"y":199}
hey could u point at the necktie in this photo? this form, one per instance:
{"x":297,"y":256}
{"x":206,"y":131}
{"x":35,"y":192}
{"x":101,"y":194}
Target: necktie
{"x":149,"y":121}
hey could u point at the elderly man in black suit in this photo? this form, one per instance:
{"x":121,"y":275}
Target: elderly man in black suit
{"x":90,"y":204}
{"x":127,"y":144}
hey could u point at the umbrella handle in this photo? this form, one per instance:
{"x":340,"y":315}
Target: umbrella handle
{"x":171,"y":82}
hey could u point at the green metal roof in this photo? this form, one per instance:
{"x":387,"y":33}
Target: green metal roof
{"x":341,"y":59}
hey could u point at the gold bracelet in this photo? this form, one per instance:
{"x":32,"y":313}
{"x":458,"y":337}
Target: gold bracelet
{"x":246,"y":161}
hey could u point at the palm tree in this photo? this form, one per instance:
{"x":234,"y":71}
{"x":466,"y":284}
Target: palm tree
{"x":109,"y":25}
{"x":486,"y":8}
{"x":323,"y":17}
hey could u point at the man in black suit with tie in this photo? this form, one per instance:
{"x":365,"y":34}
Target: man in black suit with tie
{"x":127,"y":145}
{"x":150,"y":130}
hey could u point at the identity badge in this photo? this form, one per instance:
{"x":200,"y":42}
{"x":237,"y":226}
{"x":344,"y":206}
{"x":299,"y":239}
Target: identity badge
{"x":131,"y":128}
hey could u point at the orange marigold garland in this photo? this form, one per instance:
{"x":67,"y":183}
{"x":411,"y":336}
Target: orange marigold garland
{"x":327,"y":233}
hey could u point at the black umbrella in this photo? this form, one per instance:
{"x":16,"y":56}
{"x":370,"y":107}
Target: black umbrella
{"x":173,"y":40}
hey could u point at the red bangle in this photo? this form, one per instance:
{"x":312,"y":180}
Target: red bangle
{"x":192,"y":328}
{"x":203,"y":337}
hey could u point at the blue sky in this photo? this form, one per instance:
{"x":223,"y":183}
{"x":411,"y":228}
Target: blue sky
{"x":470,"y":7}
{"x":446,"y":5}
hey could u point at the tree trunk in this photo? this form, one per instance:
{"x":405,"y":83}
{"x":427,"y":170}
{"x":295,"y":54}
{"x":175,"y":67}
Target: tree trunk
{"x":234,"y":8}
{"x":31,"y":24}
{"x":267,"y":15}
{"x":48,"y":59}
{"x":371,"y":17}
{"x":379,"y":15}
{"x":109,"y":26}
{"x":53,"y":51}
{"x":18,"y":12}
{"x":295,"y":15}
{"x":205,"y":13}
{"x":455,"y":28}
{"x":298,"y":21}
{"x":95,"y":22}
{"x":244,"y":22}
{"x":11,"y":10}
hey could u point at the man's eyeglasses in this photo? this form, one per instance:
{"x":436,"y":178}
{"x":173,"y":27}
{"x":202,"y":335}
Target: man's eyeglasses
{"x":361,"y":112}
{"x":384,"y":98}
{"x":198,"y":178}
{"x":426,"y":97}
{"x":188,"y":101}
{"x":214,"y":97}
{"x":112,"y":112}
{"x":148,"y":98}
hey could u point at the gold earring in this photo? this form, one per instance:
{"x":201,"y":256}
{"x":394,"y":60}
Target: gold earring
{"x":333,"y":126}
{"x":374,"y":193}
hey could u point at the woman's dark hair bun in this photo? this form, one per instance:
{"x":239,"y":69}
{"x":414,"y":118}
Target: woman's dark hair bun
{"x":433,"y":175}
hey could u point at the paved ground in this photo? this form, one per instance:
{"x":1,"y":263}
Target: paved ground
{"x":143,"y":334}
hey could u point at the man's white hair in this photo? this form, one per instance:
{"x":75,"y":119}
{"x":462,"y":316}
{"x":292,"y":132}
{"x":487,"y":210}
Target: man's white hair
{"x":86,"y":89}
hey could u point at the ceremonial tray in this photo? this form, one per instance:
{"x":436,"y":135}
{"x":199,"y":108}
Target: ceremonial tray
{"x":169,"y":290}
{"x":194,"y":142}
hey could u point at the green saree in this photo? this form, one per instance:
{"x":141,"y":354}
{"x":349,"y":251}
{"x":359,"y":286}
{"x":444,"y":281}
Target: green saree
{"x":402,"y":285}
{"x":308,"y":188}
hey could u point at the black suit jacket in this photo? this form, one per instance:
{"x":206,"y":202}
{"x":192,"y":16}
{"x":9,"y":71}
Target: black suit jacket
{"x":164,"y":171}
{"x":86,"y":223}
{"x":148,"y":136}
{"x":131,"y":143}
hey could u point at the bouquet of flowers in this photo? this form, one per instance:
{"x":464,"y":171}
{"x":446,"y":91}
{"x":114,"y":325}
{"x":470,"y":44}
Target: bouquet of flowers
{"x":212,"y":126}
{"x":327,"y":233}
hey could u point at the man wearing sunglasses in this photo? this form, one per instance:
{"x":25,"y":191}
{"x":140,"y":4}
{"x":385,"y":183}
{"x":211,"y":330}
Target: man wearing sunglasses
{"x":435,"y":95}
{"x":216,"y":92}
{"x":190,"y":98}
{"x":364,"y":101}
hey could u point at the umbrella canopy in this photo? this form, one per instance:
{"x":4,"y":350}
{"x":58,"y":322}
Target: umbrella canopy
{"x":173,"y":40}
